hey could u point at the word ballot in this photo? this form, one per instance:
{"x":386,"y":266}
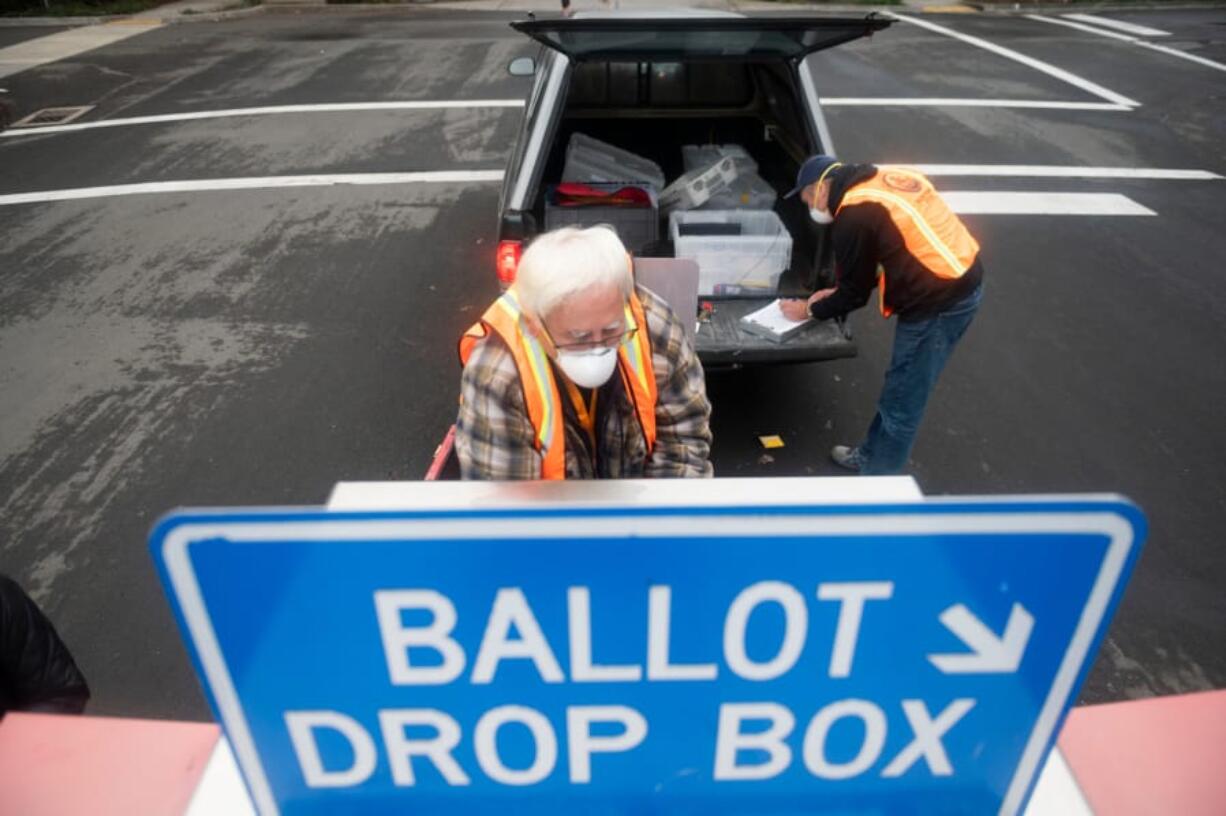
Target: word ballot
{"x":671,"y":658}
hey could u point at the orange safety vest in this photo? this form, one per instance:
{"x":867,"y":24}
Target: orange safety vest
{"x":930,"y":231}
{"x":541,"y":394}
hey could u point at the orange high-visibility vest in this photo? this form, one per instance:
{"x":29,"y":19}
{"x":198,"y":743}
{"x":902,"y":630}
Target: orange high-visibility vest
{"x":541,"y":396}
{"x":930,"y":231}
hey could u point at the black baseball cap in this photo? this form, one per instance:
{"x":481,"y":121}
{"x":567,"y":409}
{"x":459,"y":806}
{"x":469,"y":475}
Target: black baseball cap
{"x":814,"y":169}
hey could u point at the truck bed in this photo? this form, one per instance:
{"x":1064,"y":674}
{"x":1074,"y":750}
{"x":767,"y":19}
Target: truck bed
{"x":661,"y":139}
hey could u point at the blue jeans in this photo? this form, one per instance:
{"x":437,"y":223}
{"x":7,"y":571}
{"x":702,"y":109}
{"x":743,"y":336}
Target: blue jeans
{"x":921,"y":349}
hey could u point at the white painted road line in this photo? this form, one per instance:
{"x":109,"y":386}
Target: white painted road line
{"x":940,"y":102}
{"x":1115,"y":35}
{"x":42,"y":50}
{"x":1031,"y":62}
{"x":340,"y":107}
{"x":1120,"y":25}
{"x":257,"y":183}
{"x":961,"y":201}
{"x":1175,"y":52}
{"x":1162,"y":49}
{"x":1009,"y":203}
{"x":1061,"y":171}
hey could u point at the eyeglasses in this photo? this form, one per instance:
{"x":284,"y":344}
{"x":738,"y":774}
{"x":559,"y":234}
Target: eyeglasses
{"x":616,"y":341}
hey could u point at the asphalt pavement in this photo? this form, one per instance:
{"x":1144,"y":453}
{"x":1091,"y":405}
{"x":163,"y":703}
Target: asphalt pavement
{"x":11,"y":35}
{"x":247,"y":347}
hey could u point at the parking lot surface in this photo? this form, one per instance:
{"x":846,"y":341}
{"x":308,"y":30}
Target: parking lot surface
{"x":223,"y":341}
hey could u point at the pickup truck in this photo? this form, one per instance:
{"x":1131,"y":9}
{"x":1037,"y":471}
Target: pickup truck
{"x":650,"y":82}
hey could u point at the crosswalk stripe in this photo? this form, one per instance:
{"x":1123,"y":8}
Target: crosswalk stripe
{"x":1064,"y":171}
{"x":1120,"y":25}
{"x":957,"y":102}
{"x":966,"y":202}
{"x":1162,"y":49}
{"x":255,"y":183}
{"x":1030,"y":62}
{"x":335,"y":107}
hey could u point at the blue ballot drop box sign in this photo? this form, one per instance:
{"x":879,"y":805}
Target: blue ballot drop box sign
{"x":917,"y":657}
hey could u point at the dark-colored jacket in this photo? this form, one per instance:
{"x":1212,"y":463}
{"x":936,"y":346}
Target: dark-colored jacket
{"x":36,"y":671}
{"x":864,"y":237}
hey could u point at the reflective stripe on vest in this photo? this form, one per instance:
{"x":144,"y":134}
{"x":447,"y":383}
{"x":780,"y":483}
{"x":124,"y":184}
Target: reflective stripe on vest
{"x":931,"y":232}
{"x":535,"y":376}
{"x":541,"y":396}
{"x":639,"y":373}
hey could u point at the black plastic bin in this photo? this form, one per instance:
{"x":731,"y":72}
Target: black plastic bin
{"x":638,"y":227}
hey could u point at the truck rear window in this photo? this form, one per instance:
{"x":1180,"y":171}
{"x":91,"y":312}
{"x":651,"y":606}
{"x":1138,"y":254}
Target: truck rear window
{"x":660,"y":85}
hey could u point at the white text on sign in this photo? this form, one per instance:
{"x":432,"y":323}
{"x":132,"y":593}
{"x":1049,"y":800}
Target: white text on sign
{"x":752,"y":738}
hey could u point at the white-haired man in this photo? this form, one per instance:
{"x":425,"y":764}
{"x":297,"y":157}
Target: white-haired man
{"x":576,"y":373}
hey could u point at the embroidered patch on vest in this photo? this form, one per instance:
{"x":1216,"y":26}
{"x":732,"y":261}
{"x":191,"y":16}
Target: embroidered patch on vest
{"x":902,"y":182}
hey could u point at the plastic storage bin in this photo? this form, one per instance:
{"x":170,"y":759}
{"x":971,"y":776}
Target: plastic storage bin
{"x":589,"y":159}
{"x":749,"y":263}
{"x":748,"y":192}
{"x":695,"y":157}
{"x":693,"y":189}
{"x":636,"y":226}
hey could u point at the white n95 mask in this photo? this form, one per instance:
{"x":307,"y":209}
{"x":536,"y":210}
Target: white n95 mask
{"x":588,"y":369}
{"x":820,"y":216}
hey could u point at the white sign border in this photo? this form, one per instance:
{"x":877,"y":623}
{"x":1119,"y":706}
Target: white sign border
{"x":1096,"y":517}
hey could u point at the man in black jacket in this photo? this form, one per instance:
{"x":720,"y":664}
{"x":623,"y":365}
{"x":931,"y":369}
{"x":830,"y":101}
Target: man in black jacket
{"x":36,"y":671}
{"x":892,"y":232}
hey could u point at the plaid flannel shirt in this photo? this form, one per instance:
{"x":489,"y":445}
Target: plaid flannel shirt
{"x":495,"y":438}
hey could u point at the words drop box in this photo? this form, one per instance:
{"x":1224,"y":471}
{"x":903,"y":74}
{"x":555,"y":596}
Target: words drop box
{"x":908,"y":658}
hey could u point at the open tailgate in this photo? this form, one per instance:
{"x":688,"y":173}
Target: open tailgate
{"x":664,"y":38}
{"x":721,"y":341}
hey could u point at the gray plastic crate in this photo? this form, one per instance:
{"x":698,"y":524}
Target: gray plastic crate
{"x":692,"y":189}
{"x":749,"y":262}
{"x":696,"y":157}
{"x":636,"y":226}
{"x":589,"y":159}
{"x":750,"y":192}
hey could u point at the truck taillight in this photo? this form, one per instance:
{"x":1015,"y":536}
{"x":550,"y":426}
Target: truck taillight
{"x":507,"y":260}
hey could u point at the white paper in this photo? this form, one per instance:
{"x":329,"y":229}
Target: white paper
{"x":771,"y":317}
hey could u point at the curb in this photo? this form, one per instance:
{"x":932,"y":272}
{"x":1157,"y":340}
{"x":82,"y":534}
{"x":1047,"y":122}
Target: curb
{"x":55,"y":22}
{"x":146,"y":16}
{"x":402,"y":5}
{"x":215,"y":16}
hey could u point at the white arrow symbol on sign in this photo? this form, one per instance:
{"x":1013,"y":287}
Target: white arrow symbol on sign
{"x":989,"y":653}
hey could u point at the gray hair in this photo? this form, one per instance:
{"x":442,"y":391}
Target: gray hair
{"x":560,"y":264}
